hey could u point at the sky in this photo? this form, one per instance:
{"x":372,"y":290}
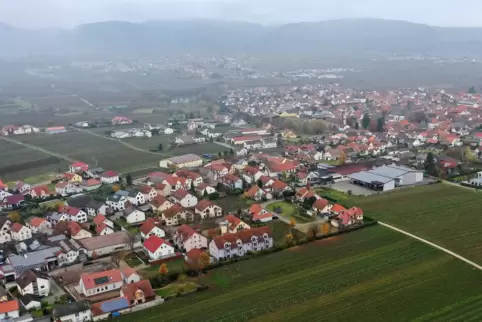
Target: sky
{"x":69,"y":13}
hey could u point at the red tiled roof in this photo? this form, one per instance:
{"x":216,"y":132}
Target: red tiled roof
{"x":180,"y":194}
{"x":203,"y":204}
{"x":278,"y":185}
{"x":280,"y":167}
{"x":244,"y":235}
{"x":158,"y":201}
{"x":186,"y":232}
{"x":129,"y":291}
{"x":99,"y":219}
{"x":113,"y":276}
{"x":148,"y":226}
{"x":337,"y":208}
{"x":79,"y":164}
{"x":38,"y":190}
{"x":74,"y":228}
{"x":320,"y":204}
{"x":231,"y":178}
{"x":252,"y":191}
{"x":250,"y":170}
{"x":9,"y":306}
{"x":153,"y":243}
{"x":110,"y":174}
{"x":36,"y":221}
{"x":232,"y":220}
{"x":101,"y":227}
{"x":16,"y":227}
{"x":174,"y":210}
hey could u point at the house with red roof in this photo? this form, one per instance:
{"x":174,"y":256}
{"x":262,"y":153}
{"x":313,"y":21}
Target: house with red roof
{"x":151,"y":227}
{"x":304,"y":193}
{"x":336,"y":208}
{"x":41,"y":191}
{"x":9,"y":309}
{"x":66,"y":188}
{"x":195,"y":178}
{"x":91,"y":284}
{"x":39,"y":225}
{"x":238,"y":244}
{"x":76,"y":231}
{"x":163,"y":189}
{"x":176,"y":214}
{"x":275,"y":169}
{"x":103,"y":229}
{"x":322,"y":206}
{"x":187,"y":238}
{"x":256,"y":193}
{"x":348,"y":217}
{"x":121,"y":120}
{"x":109,"y":177}
{"x":20,"y":232}
{"x":78,"y":167}
{"x":3,"y":186}
{"x":232,"y":182}
{"x":74,"y":214}
{"x":160,"y":203}
{"x":138,"y":292}
{"x":184,"y":198}
{"x":258,"y":213}
{"x":90,"y":184}
{"x":149,"y":192}
{"x":232,"y":224}
{"x":251,"y":174}
{"x":204,"y":189}
{"x":278,"y":187}
{"x":208,"y":209}
{"x":157,"y":248}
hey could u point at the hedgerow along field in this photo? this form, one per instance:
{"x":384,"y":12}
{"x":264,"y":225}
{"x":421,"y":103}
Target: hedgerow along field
{"x":444,"y":214}
{"x":373,"y":274}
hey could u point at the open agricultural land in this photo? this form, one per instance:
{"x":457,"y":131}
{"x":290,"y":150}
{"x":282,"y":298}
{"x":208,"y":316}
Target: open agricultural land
{"x":444,"y":214}
{"x":21,"y":163}
{"x":373,"y":274}
{"x":93,"y":150}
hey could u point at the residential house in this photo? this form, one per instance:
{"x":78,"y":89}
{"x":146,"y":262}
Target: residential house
{"x":232,"y":224}
{"x":204,"y":190}
{"x":175,"y":214}
{"x":95,"y":208}
{"x":5,"y":235}
{"x":74,"y":214}
{"x":33,"y":282}
{"x":22,"y":188}
{"x":109,"y":177}
{"x":121,"y":120}
{"x":216,"y":171}
{"x":102,"y":219}
{"x":73,"y":177}
{"x":76,"y":231}
{"x":138,"y":292}
{"x":238,"y":244}
{"x":159,"y":204}
{"x":163,"y":189}
{"x":30,"y":302}
{"x":136,"y":197}
{"x":78,"y":167}
{"x":305,"y":193}
{"x":232,"y":182}
{"x":134,"y":215}
{"x":41,"y":191}
{"x":117,"y":202}
{"x":195,"y":178}
{"x":14,"y":201}
{"x":9,"y":310}
{"x":90,"y":185}
{"x":20,"y":232}
{"x":91,"y":284}
{"x":78,"y":311}
{"x":348,"y":217}
{"x":103,"y":229}
{"x":278,"y":187}
{"x":322,"y":206}
{"x":251,"y":174}
{"x":276,"y":169}
{"x":257,"y":194}
{"x":258,"y":213}
{"x":95,"y":173}
{"x":152,"y":227}
{"x":208,"y":209}
{"x":157,"y":248}
{"x":187,"y":238}
{"x":149,"y":192}
{"x":66,"y":188}
{"x":184,"y":198}
{"x":39,"y":225}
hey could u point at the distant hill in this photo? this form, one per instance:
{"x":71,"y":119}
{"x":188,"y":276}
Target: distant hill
{"x":349,"y":36}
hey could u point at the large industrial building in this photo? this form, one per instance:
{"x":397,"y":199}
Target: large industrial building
{"x":387,"y":177}
{"x":182,"y":161}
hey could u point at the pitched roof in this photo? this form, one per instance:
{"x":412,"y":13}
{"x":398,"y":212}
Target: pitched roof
{"x":101,"y":227}
{"x":186,"y":232}
{"x":180,"y":194}
{"x":16,"y":227}
{"x":110,"y":174}
{"x":337,"y":208}
{"x":153,"y":243}
{"x":158,"y":201}
{"x":29,"y":276}
{"x":130,"y":290}
{"x":36,"y":221}
{"x":97,"y":279}
{"x":203,"y":204}
{"x":9,"y":306}
{"x":70,"y":308}
{"x":278,"y":185}
{"x":174,"y":210}
{"x":320,"y":204}
{"x":99,"y":219}
{"x":252,"y":191}
{"x":244,"y":235}
{"x":74,"y":228}
{"x":149,"y":225}
{"x":115,"y":304}
{"x":38,"y":190}
{"x":232,"y":220}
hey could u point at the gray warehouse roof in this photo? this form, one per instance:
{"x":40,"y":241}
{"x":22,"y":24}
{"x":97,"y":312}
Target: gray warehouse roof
{"x":369,"y":177}
{"x":389,"y":172}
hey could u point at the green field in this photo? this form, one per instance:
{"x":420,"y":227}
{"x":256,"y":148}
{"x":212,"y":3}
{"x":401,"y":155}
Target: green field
{"x":373,"y":274}
{"x":441,"y":213}
{"x":18,"y":162}
{"x":288,"y":211}
{"x":93,"y":150}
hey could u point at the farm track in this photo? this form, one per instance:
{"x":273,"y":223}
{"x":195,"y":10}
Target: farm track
{"x":432,"y":244}
{"x":130,"y":146}
{"x":33,"y":147}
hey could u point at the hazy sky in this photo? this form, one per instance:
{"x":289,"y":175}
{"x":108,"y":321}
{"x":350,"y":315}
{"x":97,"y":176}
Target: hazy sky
{"x":68,"y":13}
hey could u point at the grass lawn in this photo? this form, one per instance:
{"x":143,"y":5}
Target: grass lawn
{"x":441,"y":213}
{"x":172,"y":266}
{"x":175,"y":288}
{"x":334,"y":194}
{"x":232,"y":203}
{"x":288,"y":211}
{"x":281,"y":229}
{"x":373,"y":274}
{"x":132,"y":260}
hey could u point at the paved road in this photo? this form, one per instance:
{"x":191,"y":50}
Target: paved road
{"x":432,"y":244}
{"x":33,"y":147}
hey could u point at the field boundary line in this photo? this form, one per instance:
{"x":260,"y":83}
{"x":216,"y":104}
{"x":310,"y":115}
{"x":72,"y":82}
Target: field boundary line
{"x":432,"y":244}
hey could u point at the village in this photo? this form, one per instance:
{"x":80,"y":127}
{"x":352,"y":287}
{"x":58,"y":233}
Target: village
{"x":95,"y":243}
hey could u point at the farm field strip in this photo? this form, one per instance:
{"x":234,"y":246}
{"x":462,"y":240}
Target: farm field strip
{"x":443,"y":214}
{"x":335,"y":279}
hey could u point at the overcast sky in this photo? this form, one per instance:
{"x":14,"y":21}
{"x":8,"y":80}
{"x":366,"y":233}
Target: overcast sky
{"x":68,"y":13}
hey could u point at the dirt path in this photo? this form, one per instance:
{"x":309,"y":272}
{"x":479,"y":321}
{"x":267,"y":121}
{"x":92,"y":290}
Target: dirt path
{"x":130,"y":146}
{"x":33,"y":147}
{"x":445,"y":250}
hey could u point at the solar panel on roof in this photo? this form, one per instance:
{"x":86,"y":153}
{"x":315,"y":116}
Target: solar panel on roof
{"x":114,"y":305}
{"x":101,"y":280}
